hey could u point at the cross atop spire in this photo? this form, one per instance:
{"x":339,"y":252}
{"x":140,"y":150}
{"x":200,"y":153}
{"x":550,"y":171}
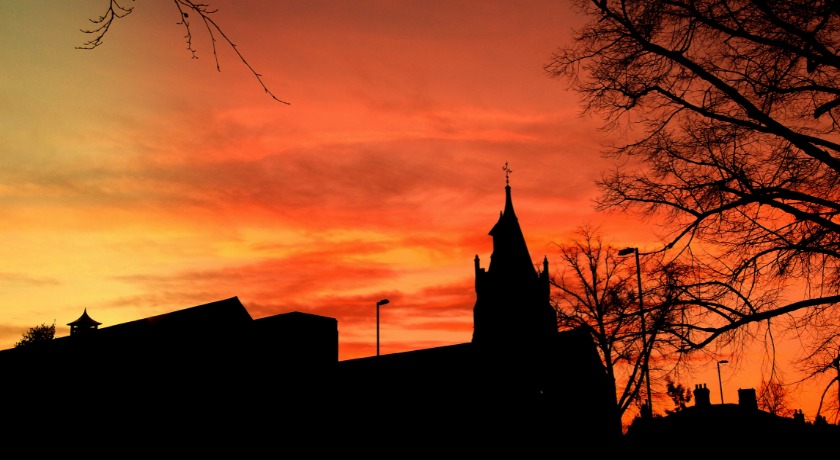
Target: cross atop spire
{"x":507,"y":171}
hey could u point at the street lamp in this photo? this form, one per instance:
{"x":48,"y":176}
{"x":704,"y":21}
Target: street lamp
{"x":378,"y":304}
{"x":645,"y":372}
{"x":720,"y":383}
{"x":836,"y":364}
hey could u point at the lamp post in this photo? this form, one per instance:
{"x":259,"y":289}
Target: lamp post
{"x":645,"y":373}
{"x":836,"y":364}
{"x":720,"y":382}
{"x":378,"y":304}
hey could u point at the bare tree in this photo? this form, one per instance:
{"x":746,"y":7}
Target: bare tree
{"x":596,"y":291}
{"x":829,"y":406}
{"x":773,"y":397}
{"x":730,"y":111}
{"x":202,"y":11}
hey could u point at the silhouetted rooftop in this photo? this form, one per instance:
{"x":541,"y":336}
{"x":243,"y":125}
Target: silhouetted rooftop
{"x":721,"y":430}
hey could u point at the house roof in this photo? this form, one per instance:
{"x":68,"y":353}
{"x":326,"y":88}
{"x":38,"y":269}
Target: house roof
{"x":730,"y":428}
{"x":210,"y":317}
{"x":206,"y":319}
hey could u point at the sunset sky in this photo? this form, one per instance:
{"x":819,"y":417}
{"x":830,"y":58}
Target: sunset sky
{"x":138,"y":181}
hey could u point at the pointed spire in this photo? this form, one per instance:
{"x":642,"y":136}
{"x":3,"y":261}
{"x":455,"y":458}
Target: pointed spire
{"x":509,"y":248}
{"x":512,"y":296}
{"x":508,"y":212}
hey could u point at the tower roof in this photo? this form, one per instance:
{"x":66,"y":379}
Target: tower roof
{"x":84,"y":321}
{"x":512,"y":306}
{"x":510,"y":252}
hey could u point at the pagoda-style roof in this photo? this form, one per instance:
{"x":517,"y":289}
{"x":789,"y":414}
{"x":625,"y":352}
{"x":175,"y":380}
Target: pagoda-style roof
{"x":83,"y":322}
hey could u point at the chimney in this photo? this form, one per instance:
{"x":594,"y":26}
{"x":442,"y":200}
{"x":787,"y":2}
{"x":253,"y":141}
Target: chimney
{"x":746,"y":398}
{"x":701,"y":396}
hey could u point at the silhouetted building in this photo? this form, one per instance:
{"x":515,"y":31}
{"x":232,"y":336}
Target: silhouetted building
{"x":512,"y":304}
{"x":747,"y":399}
{"x":708,"y":430}
{"x":208,"y":373}
{"x":213,"y":374}
{"x":519,"y":385}
{"x":83,"y":324}
{"x":702,"y":395}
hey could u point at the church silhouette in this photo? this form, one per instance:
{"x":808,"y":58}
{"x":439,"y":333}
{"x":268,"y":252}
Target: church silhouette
{"x":210,"y":378}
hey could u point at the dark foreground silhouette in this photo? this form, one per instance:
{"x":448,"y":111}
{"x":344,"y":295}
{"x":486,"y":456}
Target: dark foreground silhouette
{"x":211,"y":380}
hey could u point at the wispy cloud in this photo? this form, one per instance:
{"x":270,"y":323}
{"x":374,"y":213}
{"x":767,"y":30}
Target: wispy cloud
{"x":11,"y":279}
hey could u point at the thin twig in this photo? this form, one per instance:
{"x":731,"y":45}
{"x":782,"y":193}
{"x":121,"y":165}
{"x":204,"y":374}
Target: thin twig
{"x":116,"y":11}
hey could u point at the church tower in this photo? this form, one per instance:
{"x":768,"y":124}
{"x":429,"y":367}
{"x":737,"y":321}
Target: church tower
{"x":512,"y":305}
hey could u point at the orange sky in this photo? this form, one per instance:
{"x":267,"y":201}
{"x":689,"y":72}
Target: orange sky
{"x":138,"y":181}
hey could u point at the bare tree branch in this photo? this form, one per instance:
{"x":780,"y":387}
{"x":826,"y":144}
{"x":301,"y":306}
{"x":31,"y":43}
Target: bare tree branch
{"x":734,"y":143}
{"x":115,"y":10}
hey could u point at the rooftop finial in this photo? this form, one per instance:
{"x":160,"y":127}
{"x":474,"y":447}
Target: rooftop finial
{"x":507,"y":171}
